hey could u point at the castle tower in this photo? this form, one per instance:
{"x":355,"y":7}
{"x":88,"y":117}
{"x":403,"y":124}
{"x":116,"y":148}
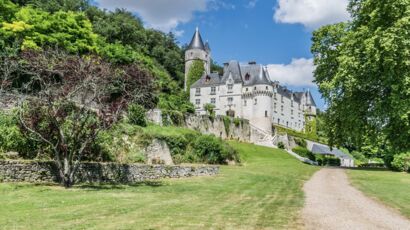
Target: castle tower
{"x":197,"y":51}
{"x":262,"y":91}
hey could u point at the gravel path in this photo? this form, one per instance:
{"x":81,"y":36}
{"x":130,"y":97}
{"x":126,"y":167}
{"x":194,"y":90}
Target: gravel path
{"x":332,"y":203}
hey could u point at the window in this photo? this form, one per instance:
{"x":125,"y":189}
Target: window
{"x":247,"y":77}
{"x":198,"y":91}
{"x":256,"y":101}
{"x":281,"y":98}
{"x":266,"y":88}
{"x":291,"y":103}
{"x":266,"y":113}
{"x":254,"y":88}
{"x":291,"y":112}
{"x":274,"y":96}
{"x":274,"y":106}
{"x":230,"y":88}
{"x":245,"y":103}
{"x":197,"y":101}
{"x":281,"y":108}
{"x":230,"y":100}
{"x":246,"y":89}
{"x":213,"y":100}
{"x":213,"y":90}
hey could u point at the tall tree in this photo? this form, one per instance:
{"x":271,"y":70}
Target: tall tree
{"x":195,"y":72}
{"x":363,"y":72}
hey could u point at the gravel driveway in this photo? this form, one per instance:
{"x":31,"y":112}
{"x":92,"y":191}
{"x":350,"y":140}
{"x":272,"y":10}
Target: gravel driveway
{"x":332,"y":203}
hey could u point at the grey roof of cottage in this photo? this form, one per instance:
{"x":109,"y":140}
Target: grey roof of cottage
{"x":213,"y":80}
{"x":257,"y":75}
{"x":196,"y":41}
{"x":325,"y":150}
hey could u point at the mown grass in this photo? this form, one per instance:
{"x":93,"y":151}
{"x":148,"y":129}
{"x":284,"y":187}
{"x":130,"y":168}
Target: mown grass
{"x":391,"y":188}
{"x":265,"y":192}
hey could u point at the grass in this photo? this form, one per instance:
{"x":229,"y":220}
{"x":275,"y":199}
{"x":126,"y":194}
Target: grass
{"x":266,"y":192}
{"x":391,"y":188}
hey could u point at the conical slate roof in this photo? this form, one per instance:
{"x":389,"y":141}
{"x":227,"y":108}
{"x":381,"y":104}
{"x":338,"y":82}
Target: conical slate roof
{"x":196,"y":42}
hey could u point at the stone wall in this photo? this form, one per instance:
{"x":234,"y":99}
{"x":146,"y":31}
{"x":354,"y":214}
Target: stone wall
{"x":46,"y":172}
{"x":204,"y":124}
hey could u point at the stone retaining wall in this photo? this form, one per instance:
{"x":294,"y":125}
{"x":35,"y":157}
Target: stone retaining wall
{"x":46,"y":172}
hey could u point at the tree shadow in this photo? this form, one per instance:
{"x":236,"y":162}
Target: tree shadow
{"x":116,"y":186}
{"x":371,"y":169}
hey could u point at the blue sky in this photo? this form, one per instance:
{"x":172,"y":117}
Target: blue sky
{"x":276,"y":33}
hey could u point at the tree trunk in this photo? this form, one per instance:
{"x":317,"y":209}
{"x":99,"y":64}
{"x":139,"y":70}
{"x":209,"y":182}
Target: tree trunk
{"x":67,"y":179}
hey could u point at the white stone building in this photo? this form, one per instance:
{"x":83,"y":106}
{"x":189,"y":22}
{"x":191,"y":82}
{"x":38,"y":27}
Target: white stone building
{"x":246,"y":91}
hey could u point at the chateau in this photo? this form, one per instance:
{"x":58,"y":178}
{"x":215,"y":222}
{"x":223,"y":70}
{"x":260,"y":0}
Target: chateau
{"x":246,"y":91}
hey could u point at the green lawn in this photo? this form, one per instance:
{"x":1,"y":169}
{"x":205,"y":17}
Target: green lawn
{"x":391,"y":188}
{"x":263,"y":193}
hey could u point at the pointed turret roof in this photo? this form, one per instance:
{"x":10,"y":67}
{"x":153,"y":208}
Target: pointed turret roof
{"x":196,"y":42}
{"x":207,"y":47}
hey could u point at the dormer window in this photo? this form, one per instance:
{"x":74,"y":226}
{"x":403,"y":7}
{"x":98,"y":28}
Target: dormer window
{"x":247,"y":77}
{"x":230,"y":88}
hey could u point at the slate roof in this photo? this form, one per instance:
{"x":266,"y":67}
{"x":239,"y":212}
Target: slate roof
{"x":233,"y":71}
{"x":196,"y":41}
{"x":257,"y":75}
{"x":208,"y":80}
{"x":325,"y":150}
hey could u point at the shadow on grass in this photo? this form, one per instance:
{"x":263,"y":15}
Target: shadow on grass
{"x":110,"y":186}
{"x":371,"y":169}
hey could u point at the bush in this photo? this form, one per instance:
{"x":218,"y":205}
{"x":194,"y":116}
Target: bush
{"x":301,"y":142}
{"x":12,"y":139}
{"x":401,"y":162}
{"x":281,"y":145}
{"x":213,"y":150}
{"x":327,"y":160}
{"x":237,"y":121}
{"x":136,"y":115}
{"x":122,"y":143}
{"x":304,"y":152}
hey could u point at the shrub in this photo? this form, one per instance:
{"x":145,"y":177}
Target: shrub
{"x":304,"y":152}
{"x":136,"y":115}
{"x":213,"y":150}
{"x":301,"y":142}
{"x":401,"y":162}
{"x":12,"y":139}
{"x":237,"y":121}
{"x":227,"y":123}
{"x":172,"y":117}
{"x":122,"y":143}
{"x":281,"y":145}
{"x":327,"y":160}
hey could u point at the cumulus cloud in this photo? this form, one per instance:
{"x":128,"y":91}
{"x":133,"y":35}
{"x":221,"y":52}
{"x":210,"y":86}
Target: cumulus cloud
{"x":164,"y":15}
{"x":311,"y":13}
{"x":298,"y":73}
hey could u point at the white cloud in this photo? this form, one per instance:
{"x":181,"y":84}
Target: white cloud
{"x":298,"y":73}
{"x":251,"y":4}
{"x":311,"y":13}
{"x":164,"y":15}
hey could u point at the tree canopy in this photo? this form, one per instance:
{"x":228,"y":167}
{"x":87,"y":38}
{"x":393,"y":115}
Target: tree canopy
{"x":363,"y":72}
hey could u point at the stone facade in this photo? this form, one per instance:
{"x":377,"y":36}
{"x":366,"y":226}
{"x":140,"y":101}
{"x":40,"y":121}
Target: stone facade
{"x":46,"y":172}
